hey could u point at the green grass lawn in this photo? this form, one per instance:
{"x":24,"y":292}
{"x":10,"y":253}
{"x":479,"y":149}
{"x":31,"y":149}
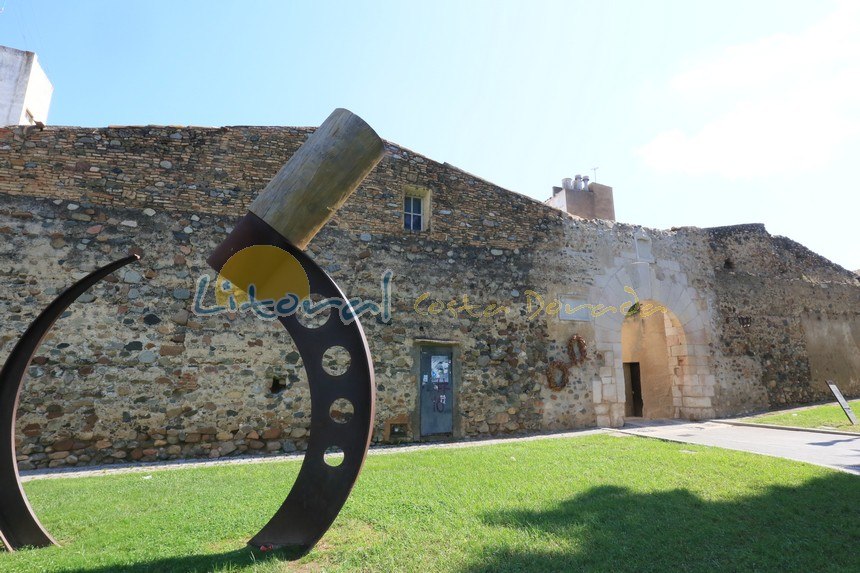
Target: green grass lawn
{"x":597,"y":503}
{"x":829,"y":416}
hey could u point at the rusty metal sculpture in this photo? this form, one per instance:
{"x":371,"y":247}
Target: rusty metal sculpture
{"x":320,"y":490}
{"x":19,"y":526}
{"x":292,"y":208}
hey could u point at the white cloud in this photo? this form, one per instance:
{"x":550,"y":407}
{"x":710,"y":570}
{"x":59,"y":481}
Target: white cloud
{"x":781,"y":105}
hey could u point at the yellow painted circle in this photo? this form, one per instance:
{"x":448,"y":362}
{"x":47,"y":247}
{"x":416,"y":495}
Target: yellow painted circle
{"x":274,"y":272}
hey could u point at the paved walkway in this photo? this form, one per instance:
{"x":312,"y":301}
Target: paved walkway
{"x":834,"y":451}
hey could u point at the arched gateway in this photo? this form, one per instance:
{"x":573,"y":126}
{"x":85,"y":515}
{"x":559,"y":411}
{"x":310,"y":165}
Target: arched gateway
{"x":657,"y":354}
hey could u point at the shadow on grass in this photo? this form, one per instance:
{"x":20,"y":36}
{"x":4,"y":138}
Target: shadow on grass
{"x":227,"y":561}
{"x":813,"y":527}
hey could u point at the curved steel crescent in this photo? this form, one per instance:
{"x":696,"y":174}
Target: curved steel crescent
{"x":19,"y":526}
{"x":320,"y":489}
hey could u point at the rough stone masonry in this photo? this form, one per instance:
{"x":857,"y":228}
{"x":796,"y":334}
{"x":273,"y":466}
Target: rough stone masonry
{"x":753,"y":321}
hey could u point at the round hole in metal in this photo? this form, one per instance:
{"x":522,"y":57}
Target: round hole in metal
{"x":333,"y":456}
{"x":341,"y":411}
{"x":335,"y":361}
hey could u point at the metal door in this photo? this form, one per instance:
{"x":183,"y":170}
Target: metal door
{"x":436,"y":384}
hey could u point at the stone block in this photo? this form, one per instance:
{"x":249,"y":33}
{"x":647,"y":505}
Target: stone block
{"x":696,"y":402}
{"x":597,"y":391}
{"x":616,"y":415}
{"x":271,"y":433}
{"x":610,"y":392}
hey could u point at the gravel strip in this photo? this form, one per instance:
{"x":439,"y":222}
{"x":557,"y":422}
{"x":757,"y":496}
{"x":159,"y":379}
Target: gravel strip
{"x":146,"y":467}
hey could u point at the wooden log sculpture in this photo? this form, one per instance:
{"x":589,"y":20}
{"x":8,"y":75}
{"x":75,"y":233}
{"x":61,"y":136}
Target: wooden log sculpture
{"x":287,"y":214}
{"x":319,"y":177}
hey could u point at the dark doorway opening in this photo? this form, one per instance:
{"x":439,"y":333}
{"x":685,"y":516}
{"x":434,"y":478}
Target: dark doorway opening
{"x":633,"y":385}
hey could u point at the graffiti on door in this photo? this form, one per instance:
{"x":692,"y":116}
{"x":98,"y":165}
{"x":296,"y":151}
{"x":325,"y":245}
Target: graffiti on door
{"x":437,"y":392}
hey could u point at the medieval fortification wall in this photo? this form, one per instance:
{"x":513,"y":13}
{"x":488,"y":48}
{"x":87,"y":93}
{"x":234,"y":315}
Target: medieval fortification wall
{"x":131,"y":373}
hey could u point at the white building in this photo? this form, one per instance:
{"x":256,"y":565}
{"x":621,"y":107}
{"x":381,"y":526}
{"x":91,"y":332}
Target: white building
{"x":25,"y":90}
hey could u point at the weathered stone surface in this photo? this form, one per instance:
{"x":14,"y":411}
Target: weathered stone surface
{"x":171,"y":350}
{"x":147,"y":357}
{"x":132,"y":277}
{"x":181,"y":293}
{"x":124,"y":386}
{"x":271,"y":433}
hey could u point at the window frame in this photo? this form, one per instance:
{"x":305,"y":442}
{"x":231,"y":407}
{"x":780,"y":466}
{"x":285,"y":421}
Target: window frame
{"x":409,"y":214}
{"x":422,"y":195}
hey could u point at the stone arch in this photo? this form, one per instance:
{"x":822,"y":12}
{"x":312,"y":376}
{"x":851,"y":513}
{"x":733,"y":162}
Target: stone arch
{"x":653,"y":338}
{"x":690,"y":359}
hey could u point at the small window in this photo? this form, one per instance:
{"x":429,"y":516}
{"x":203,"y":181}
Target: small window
{"x":416,"y":207}
{"x":413,"y":213}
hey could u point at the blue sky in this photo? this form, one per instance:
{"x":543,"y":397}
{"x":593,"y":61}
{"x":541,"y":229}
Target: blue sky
{"x":697,"y":113}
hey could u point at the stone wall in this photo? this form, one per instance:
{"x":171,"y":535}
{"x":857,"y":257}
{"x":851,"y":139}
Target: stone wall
{"x":788,"y":320}
{"x":132,"y":374}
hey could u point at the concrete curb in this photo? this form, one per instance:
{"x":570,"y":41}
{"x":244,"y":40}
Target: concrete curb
{"x":789,"y":428}
{"x":677,"y":440}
